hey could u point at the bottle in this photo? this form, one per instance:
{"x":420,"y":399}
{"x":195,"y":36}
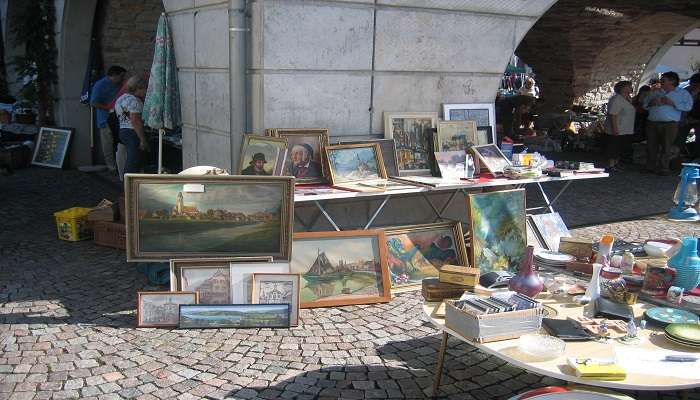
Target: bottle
{"x":526,"y":281}
{"x":688,"y":272}
{"x":604,"y":248}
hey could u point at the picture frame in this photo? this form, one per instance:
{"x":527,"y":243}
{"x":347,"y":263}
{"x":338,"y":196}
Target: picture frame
{"x":302,"y":142}
{"x":456,"y":136}
{"x":419,"y":251}
{"x":334,"y":266}
{"x":177,"y":264}
{"x":211,"y":278}
{"x":223,"y":216}
{"x":242,"y":277}
{"x":388,"y":146}
{"x":272,"y":148}
{"x":51,"y":147}
{"x":355,"y":162}
{"x":550,"y":228}
{"x":491,"y":157}
{"x":275,"y":288}
{"x":413,"y":151}
{"x":484,"y":114}
{"x":242,"y":316}
{"x":151,"y":314}
{"x":484,"y":135}
{"x":533,"y":238}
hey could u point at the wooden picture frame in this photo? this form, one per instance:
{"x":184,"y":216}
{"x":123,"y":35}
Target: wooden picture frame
{"x":333,"y":173}
{"x":177,"y":264}
{"x":170,"y":322}
{"x":242,"y":278}
{"x":491,"y":157}
{"x":388,"y":146}
{"x":456,"y":136}
{"x":484,"y":114}
{"x":51,"y":147}
{"x":407,"y":147}
{"x":234,"y":316}
{"x":484,"y":135}
{"x":162,"y":224}
{"x":250,"y":141}
{"x":321,"y":288}
{"x":295,"y":279}
{"x":397,"y":253}
{"x":294,"y":137}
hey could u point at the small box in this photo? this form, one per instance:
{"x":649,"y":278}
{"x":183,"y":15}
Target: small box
{"x":104,"y":211}
{"x":434,"y":290}
{"x":110,"y":234}
{"x":485,"y":328}
{"x":577,"y":247}
{"x":459,"y":275}
{"x":72,"y":224}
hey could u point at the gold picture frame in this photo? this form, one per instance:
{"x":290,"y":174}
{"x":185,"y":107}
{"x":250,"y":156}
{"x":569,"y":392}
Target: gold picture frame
{"x":333,"y":162}
{"x":456,"y":136}
{"x":246,"y":155}
{"x":240,"y":216}
{"x":406,"y":149}
{"x":294,"y":138}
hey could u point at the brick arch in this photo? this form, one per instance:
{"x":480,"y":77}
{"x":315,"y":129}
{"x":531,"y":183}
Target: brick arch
{"x":577,"y":46}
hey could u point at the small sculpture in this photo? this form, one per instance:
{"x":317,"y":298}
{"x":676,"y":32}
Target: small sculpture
{"x":643,"y":324}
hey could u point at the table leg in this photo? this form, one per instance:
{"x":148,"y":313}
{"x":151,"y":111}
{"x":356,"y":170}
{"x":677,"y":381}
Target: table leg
{"x":325,"y":214}
{"x":440,"y":363}
{"x":376,"y":213}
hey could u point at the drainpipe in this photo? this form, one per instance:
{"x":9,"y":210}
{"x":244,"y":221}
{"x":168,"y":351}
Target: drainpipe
{"x":238,"y":38}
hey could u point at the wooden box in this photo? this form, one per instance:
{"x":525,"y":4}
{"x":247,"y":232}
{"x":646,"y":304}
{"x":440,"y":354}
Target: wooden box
{"x":434,"y":290}
{"x":484,"y":328}
{"x":110,"y":234}
{"x":15,"y":157}
{"x":579,"y":248}
{"x":459,"y":275}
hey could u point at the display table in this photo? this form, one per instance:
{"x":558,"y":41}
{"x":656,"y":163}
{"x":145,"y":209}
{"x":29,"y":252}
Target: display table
{"x":321,"y":200}
{"x":507,"y":350}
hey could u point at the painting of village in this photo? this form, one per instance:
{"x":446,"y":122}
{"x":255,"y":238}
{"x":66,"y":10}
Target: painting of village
{"x":456,"y":135}
{"x":213,"y":284}
{"x":354,"y":164}
{"x":230,"y":218}
{"x":235,"y":316}
{"x":337,"y":269}
{"x":412,"y":136}
{"x":161,"y":308}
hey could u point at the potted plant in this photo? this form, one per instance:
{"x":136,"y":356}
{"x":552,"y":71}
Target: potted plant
{"x":29,"y":94}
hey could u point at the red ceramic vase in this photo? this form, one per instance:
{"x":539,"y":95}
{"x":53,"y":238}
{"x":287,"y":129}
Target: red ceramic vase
{"x":526,"y":281}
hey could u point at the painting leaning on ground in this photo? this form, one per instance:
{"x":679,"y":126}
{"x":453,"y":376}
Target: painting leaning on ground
{"x":235,"y":316}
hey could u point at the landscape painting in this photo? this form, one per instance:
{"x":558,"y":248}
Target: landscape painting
{"x":492,"y":158}
{"x":412,"y":133}
{"x":277,"y":289}
{"x":355,"y":162}
{"x":181,"y":216}
{"x":234,"y":316}
{"x":498,"y":231}
{"x":212,"y":283}
{"x":417,"y":252}
{"x":456,"y":136}
{"x":388,"y":147}
{"x":341,"y":268}
{"x":160,"y":309}
{"x":262,"y":155}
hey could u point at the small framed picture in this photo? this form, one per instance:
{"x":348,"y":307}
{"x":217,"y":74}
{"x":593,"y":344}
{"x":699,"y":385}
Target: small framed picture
{"x":492,"y":158}
{"x":456,"y":136}
{"x":484,"y":135}
{"x":304,"y":153}
{"x":160,"y":309}
{"x":51,"y":147}
{"x":412,"y":132}
{"x":388,"y":146}
{"x":355,"y":162}
{"x":262,"y":155}
{"x":249,"y":316}
{"x":484,"y":114}
{"x":242,"y":278}
{"x":277,"y":289}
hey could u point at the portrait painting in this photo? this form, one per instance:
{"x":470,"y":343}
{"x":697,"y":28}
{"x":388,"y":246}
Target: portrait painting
{"x":234,"y":316}
{"x":242,"y":277}
{"x":498,"y":231}
{"x":388,"y":147}
{"x":492,"y":158}
{"x":412,"y":133}
{"x":305,"y":149}
{"x":160,"y":309}
{"x":178,"y":216}
{"x":419,"y":251}
{"x":276,"y":289}
{"x":262,"y":155}
{"x":483,"y":114}
{"x":355,"y":162}
{"x":551,"y":229}
{"x":456,"y":136}
{"x":341,"y":268}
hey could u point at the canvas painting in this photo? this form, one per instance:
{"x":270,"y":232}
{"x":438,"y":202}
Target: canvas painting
{"x":234,"y":316}
{"x":181,"y":216}
{"x":483,"y":114}
{"x":262,"y":155}
{"x":355,"y":162}
{"x":412,"y":133}
{"x":418,"y":252}
{"x":453,"y":164}
{"x":498,"y":231}
{"x":484,"y":135}
{"x":160,"y":309}
{"x":304,"y":153}
{"x":213,"y":283}
{"x":276,"y":289}
{"x":492,"y":158}
{"x":388,"y":147}
{"x":341,"y":268}
{"x":242,"y":278}
{"x":551,"y":228}
{"x":456,"y":136}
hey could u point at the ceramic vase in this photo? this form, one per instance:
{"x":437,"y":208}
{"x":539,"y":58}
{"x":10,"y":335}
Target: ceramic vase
{"x":527,"y":281}
{"x":679,"y":257}
{"x":688,"y":272}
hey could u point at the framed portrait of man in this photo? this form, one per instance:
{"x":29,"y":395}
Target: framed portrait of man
{"x":304,"y":153}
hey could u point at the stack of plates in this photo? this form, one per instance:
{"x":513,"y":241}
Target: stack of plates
{"x":546,"y":258}
{"x":684,"y":334}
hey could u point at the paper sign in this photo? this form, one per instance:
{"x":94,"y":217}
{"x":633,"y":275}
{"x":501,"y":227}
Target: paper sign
{"x":193,"y":188}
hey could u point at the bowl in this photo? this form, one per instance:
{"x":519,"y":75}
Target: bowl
{"x":541,"y":347}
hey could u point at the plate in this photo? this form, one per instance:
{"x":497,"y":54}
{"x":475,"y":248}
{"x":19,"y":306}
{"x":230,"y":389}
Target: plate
{"x":666,"y":315}
{"x":553,"y":256}
{"x":691,"y":299}
{"x":681,"y":343}
{"x":684,"y":332}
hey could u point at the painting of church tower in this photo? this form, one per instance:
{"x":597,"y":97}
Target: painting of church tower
{"x":181,"y":210}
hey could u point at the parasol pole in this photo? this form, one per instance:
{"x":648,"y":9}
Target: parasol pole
{"x":161,"y":132}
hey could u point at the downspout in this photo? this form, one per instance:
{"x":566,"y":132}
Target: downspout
{"x":239,"y":88}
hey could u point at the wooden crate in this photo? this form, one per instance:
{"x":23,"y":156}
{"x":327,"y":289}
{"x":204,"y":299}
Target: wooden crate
{"x":110,"y":234}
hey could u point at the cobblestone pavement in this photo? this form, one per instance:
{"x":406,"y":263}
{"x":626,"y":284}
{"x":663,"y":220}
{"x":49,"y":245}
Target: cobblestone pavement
{"x":67,"y":323}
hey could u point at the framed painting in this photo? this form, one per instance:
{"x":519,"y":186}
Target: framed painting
{"x":51,"y":147}
{"x":455,"y":165}
{"x":160,"y":309}
{"x":388,"y":146}
{"x":491,"y":157}
{"x":246,"y":316}
{"x":242,"y":278}
{"x":419,"y":251}
{"x":484,"y":135}
{"x":341,"y":268}
{"x":551,"y":229}
{"x":355,"y":162}
{"x":210,"y":278}
{"x":484,"y":114}
{"x":277,"y":289}
{"x":456,"y":136}
{"x":412,"y":133}
{"x":262,"y":155}
{"x":498,"y":231}
{"x":533,"y":238}
{"x":180,"y":216}
{"x":304,"y":153}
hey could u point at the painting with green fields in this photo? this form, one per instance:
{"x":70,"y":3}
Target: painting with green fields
{"x":234,"y":316}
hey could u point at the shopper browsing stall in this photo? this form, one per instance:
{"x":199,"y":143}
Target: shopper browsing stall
{"x":619,"y":123}
{"x":131,"y":130}
{"x":103,"y":94}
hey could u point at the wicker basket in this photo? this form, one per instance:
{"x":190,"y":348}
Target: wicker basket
{"x":492,"y":327}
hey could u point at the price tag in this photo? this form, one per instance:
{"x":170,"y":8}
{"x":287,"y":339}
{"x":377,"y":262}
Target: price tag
{"x":193,"y":188}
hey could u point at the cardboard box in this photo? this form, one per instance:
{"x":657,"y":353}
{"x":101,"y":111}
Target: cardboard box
{"x":459,"y":275}
{"x":110,"y":234}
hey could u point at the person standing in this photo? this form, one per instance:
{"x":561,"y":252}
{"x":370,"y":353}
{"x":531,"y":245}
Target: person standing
{"x":131,"y":129}
{"x":619,"y":124}
{"x":665,"y":107}
{"x":103,"y":94}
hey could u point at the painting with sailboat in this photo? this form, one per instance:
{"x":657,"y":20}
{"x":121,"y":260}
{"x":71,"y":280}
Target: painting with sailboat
{"x":341,"y":268}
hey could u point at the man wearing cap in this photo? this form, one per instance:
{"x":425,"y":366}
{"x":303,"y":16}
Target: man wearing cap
{"x":257,"y":165}
{"x":302,"y":164}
